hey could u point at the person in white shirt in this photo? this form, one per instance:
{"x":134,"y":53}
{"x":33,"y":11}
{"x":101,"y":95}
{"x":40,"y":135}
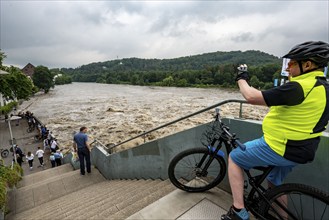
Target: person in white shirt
{"x":29,"y":158}
{"x":39,"y":154}
{"x":53,"y":146}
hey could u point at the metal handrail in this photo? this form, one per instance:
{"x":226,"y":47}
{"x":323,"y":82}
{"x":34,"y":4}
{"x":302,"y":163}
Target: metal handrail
{"x":182,"y":118}
{"x":99,"y":143}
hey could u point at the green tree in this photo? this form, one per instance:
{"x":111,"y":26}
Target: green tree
{"x":182,"y":83}
{"x":43,"y":78}
{"x":2,"y":57}
{"x":63,"y":79}
{"x":15,"y":84}
{"x":20,"y":84}
{"x":169,"y":81}
{"x":254,"y":81}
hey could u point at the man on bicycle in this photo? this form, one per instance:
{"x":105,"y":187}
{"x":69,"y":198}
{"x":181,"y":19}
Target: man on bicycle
{"x":299,"y":112}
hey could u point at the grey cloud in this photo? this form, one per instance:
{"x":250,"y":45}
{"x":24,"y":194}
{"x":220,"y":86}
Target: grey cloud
{"x":72,"y":33}
{"x":243,"y":37}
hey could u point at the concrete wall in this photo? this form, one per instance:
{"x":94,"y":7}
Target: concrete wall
{"x":151,"y":160}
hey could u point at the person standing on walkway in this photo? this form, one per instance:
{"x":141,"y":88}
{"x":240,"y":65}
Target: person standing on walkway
{"x":30,"y":158}
{"x":39,"y":154}
{"x":19,"y":160}
{"x":81,"y":145}
{"x":53,"y":146}
{"x":52,"y":160}
{"x":46,"y":145}
{"x":58,"y":157}
{"x":19,"y":151}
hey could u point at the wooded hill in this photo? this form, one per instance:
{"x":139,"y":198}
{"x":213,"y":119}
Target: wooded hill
{"x":209,"y":69}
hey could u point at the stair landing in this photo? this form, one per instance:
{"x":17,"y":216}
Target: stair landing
{"x":183,"y":205}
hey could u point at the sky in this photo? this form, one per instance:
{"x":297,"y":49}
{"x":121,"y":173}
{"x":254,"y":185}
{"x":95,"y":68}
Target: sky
{"x":72,"y":33}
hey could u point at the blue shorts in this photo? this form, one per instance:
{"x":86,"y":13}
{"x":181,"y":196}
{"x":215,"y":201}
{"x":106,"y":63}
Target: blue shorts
{"x":259,"y":153}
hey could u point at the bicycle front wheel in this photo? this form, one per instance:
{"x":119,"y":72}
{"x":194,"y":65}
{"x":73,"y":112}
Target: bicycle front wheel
{"x":186,"y":172}
{"x":295,"y":201}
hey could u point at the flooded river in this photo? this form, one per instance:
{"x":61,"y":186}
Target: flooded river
{"x":114,"y":113}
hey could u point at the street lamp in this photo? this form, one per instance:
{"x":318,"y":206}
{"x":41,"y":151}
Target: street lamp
{"x":12,"y":118}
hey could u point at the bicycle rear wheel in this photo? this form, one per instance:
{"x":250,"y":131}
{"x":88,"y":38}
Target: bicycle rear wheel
{"x":186,"y":174}
{"x":295,"y":201}
{"x":4,"y":153}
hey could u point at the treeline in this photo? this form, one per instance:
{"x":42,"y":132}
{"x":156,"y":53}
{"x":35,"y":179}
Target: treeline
{"x":211,"y":69}
{"x":60,"y":78}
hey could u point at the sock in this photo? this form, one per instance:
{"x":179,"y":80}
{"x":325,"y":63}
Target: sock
{"x":236,"y":209}
{"x":243,"y":214}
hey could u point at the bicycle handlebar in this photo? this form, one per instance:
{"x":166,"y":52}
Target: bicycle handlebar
{"x":242,"y":146}
{"x":225,"y":129}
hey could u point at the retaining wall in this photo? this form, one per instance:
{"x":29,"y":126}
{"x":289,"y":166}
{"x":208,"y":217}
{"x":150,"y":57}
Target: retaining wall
{"x":151,"y":160}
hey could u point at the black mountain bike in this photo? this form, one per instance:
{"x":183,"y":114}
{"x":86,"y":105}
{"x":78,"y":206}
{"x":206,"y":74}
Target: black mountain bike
{"x":200,"y":169}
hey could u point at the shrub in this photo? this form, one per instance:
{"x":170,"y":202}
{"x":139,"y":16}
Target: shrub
{"x":7,"y":108}
{"x":8,"y":178}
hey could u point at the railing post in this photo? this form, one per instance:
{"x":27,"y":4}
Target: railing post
{"x":144,"y":137}
{"x":240,"y":111}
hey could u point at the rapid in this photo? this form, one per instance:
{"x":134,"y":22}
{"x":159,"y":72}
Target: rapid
{"x":114,"y":113}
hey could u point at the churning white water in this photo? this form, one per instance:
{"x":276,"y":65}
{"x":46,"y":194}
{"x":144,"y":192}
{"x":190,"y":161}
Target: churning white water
{"x":114,"y":113}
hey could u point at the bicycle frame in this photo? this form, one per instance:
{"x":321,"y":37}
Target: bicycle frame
{"x":229,"y":140}
{"x":199,"y":169}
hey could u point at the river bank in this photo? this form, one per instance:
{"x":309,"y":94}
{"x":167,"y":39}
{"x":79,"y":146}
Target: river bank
{"x":114,"y":113}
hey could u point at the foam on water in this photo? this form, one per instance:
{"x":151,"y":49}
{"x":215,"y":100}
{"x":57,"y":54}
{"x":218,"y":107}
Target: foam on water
{"x":114,"y":113}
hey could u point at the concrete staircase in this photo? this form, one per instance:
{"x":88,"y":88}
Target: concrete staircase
{"x":61,"y":193}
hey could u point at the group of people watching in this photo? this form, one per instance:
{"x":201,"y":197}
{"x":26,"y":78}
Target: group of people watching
{"x":32,"y":123}
{"x":49,"y":142}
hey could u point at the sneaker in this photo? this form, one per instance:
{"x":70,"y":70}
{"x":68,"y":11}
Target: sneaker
{"x":233,"y":215}
{"x":31,"y":168}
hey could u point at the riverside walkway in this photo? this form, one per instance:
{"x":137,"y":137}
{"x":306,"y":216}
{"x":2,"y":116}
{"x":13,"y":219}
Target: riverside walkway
{"x":25,"y":141}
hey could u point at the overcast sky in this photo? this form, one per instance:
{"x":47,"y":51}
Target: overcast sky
{"x":72,"y":33}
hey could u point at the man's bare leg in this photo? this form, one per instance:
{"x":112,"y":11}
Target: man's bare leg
{"x":236,"y":178}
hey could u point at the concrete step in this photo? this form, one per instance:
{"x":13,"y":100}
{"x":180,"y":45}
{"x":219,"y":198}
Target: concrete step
{"x":125,"y":192}
{"x":66,"y":203}
{"x":40,"y":193}
{"x":100,"y":199}
{"x":51,"y":179}
{"x":43,"y":175}
{"x":182,"y":205}
{"x":131,"y":199}
{"x":73,"y":203}
{"x":92,"y":204}
{"x":126,"y":209}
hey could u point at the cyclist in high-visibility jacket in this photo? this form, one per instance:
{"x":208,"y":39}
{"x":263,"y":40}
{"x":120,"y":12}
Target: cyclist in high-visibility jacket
{"x":299,"y":112}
